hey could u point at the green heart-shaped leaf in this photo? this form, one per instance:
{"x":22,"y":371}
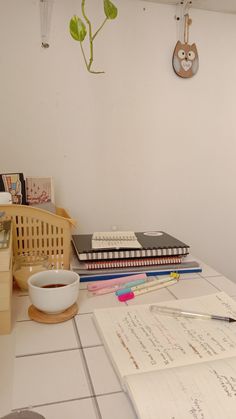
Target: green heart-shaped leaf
{"x":110,"y":9}
{"x":77,"y":29}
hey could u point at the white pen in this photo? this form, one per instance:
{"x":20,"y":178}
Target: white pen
{"x":144,"y":285}
{"x":132,"y":294}
{"x":177,"y":312}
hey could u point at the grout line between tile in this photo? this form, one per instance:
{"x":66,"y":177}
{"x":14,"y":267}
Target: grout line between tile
{"x":87,"y":372}
{"x":213,"y":285}
{"x":48,"y":352}
{"x":83,"y":314}
{"x":172,"y":294}
{"x":93,"y":397}
{"x":98,"y":345}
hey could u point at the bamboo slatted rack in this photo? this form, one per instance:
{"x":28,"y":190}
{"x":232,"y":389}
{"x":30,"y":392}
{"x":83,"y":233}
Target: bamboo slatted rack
{"x":37,"y":230}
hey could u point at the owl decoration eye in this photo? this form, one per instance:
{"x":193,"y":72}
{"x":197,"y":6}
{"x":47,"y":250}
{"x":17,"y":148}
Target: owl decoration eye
{"x":191,"y":55}
{"x":181,"y":54}
{"x":185,"y":60}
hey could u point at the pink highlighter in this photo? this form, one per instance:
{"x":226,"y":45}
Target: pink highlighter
{"x":116,"y":281}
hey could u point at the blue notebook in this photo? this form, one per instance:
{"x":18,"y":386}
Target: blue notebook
{"x":163,"y":271}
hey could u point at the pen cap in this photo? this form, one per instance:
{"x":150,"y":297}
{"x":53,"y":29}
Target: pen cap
{"x":126,"y":297}
{"x":123,"y":291}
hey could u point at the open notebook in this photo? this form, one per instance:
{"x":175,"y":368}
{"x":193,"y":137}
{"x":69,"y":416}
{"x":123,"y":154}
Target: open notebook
{"x":174,"y":367}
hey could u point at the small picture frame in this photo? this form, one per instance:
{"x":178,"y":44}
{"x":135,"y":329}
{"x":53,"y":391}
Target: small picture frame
{"x":14,"y":183}
{"x":39,"y":190}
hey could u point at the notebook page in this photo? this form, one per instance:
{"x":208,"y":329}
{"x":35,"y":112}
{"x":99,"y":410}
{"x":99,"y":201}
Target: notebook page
{"x":115,"y":240}
{"x":204,"y":391}
{"x":139,"y":341}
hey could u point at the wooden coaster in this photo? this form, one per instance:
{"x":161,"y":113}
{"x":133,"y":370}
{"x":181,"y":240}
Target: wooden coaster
{"x":41,"y":317}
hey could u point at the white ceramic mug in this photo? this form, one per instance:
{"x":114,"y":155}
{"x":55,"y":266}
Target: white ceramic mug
{"x":49,"y":299}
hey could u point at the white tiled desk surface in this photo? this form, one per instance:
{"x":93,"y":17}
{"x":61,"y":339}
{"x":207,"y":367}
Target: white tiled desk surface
{"x":62,"y":370}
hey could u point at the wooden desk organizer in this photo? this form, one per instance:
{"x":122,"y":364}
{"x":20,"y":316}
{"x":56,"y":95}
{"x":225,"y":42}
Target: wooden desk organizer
{"x":38,"y":230}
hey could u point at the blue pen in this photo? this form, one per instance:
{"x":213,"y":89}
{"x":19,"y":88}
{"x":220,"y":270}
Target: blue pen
{"x":132,"y":283}
{"x":129,"y":285}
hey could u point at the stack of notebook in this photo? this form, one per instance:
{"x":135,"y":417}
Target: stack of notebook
{"x":109,"y":253}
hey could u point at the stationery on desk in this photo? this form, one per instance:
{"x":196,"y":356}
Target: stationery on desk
{"x":107,"y":255}
{"x":94,"y":286}
{"x":177,"y":312}
{"x":129,"y":287}
{"x":144,"y":262}
{"x":140,"y":289}
{"x":113,"y":285}
{"x":174,"y":366}
{"x":149,"y":282}
{"x":152,"y":244}
{"x":100,"y":275}
{"x":81,"y":268}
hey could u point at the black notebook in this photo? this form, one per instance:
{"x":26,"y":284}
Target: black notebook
{"x":153,"y":244}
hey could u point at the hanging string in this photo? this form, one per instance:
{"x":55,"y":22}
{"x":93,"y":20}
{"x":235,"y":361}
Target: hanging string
{"x":187,"y":23}
{"x":182,"y":10}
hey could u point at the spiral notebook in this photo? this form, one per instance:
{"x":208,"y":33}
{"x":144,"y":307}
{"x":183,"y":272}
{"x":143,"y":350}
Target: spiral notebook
{"x":129,"y":263}
{"x":152,"y":244}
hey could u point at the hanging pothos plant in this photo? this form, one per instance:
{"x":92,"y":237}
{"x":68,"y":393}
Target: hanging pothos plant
{"x":80,"y":28}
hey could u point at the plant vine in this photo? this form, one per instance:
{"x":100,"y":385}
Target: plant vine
{"x":79,"y":28}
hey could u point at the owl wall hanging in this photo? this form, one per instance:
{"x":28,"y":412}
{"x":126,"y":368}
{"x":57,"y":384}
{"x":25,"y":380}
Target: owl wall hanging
{"x":185,"y":57}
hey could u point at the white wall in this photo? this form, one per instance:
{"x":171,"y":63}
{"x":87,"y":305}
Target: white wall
{"x":138,"y":147}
